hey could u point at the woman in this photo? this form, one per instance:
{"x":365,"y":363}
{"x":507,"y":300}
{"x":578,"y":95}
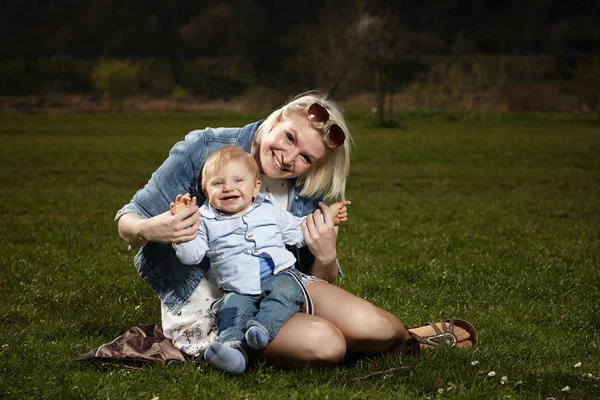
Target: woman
{"x":303,"y":152}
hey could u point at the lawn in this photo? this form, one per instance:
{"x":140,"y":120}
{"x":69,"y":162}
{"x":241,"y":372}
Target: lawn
{"x":486,"y":217}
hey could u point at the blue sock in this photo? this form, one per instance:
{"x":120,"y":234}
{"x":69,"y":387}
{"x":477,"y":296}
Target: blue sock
{"x":226,"y":358}
{"x":256,"y":338}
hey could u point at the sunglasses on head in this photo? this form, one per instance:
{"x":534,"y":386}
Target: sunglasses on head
{"x":318,"y":113}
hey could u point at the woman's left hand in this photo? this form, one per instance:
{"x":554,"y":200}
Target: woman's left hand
{"x":320,"y":235}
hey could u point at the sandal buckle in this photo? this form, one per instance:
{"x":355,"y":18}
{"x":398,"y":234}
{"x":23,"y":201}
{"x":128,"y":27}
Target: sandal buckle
{"x":442,"y":338}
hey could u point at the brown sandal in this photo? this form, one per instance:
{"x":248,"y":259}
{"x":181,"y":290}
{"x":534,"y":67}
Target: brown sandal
{"x":446,"y":334}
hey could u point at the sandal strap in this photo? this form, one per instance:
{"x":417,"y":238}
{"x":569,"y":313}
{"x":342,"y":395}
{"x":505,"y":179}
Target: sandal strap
{"x":434,"y":326}
{"x":445,"y":334}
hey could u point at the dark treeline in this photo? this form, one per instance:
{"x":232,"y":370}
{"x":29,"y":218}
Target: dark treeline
{"x":438,"y":53}
{"x":268,"y":31}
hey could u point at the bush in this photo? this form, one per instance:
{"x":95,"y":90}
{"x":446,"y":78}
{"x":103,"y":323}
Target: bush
{"x":180,"y":94}
{"x":117,"y":79}
{"x":156,"y":77}
{"x":214,"y":77}
{"x":15,"y":79}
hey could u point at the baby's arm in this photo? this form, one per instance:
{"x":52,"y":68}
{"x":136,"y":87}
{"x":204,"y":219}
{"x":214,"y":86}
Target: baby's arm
{"x":339,"y":211}
{"x":291,"y":228}
{"x":192,"y":252}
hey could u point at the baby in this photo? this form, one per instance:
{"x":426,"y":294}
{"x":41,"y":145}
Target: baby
{"x":244,"y":236}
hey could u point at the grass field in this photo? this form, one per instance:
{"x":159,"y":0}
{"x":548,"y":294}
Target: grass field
{"x":486,"y":217}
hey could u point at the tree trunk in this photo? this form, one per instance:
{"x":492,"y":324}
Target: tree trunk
{"x":391,"y":97}
{"x":380,"y":95}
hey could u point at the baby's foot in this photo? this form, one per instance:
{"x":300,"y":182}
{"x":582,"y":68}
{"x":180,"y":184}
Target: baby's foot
{"x":181,"y":203}
{"x":256,"y":338}
{"x":226,"y":358}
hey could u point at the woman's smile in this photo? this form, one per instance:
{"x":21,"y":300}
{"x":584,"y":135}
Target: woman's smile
{"x":290,"y":148}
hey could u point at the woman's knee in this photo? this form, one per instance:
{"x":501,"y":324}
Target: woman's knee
{"x":370,"y":323}
{"x":325,"y":345}
{"x":306,"y":339}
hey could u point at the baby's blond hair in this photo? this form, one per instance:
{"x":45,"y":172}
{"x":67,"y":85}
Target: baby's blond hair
{"x":217,"y":160}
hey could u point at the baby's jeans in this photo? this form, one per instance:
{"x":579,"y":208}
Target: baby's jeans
{"x":281,"y":297}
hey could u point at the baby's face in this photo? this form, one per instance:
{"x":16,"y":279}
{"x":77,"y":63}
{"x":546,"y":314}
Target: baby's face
{"x":232,"y":188}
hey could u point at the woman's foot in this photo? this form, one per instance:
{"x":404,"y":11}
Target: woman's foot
{"x":463,"y":336}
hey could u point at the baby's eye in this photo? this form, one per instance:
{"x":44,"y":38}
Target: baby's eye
{"x":238,"y":180}
{"x":218,"y":183}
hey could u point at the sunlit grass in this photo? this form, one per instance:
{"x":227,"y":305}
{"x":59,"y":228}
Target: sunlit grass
{"x":486,"y":217}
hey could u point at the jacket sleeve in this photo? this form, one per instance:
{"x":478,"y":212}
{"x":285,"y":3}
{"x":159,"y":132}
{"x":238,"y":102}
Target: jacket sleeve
{"x":175,"y":176}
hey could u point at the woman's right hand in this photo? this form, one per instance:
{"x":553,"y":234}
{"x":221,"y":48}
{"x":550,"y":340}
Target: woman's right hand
{"x":169,"y":228}
{"x":162,"y":228}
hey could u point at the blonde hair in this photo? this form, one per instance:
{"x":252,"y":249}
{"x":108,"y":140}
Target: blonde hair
{"x":217,"y":160}
{"x":327,"y":177}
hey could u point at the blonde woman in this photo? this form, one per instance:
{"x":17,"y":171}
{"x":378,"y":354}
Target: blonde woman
{"x":303,"y":153}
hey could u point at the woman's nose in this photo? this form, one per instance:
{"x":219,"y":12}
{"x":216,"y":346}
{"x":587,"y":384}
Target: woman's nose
{"x":291,"y":157}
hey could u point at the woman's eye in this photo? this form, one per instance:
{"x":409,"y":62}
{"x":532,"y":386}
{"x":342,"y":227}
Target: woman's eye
{"x":306,"y":159}
{"x":289,"y":137}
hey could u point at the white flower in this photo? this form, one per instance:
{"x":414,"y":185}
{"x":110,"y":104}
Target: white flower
{"x":492,"y":373}
{"x":441,"y":390}
{"x":504,"y":379}
{"x":474,"y":363}
{"x":566,"y":389}
{"x":588,"y":375}
{"x":155,"y":397}
{"x":577,"y":365}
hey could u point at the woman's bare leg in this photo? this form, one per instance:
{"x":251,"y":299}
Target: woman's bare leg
{"x":306,"y":339}
{"x":367,"y":329}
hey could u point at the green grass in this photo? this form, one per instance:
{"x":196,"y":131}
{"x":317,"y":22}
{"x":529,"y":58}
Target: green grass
{"x":491,"y":218}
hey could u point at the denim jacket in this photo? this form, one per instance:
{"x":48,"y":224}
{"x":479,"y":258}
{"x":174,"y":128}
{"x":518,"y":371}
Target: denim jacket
{"x":157,"y":263}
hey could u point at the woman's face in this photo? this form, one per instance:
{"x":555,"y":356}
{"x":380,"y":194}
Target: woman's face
{"x":290,"y":148}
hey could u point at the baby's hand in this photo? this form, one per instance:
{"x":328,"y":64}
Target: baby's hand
{"x":181,"y":203}
{"x":339,"y":211}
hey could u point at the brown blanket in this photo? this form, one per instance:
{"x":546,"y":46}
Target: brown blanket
{"x":144,"y":343}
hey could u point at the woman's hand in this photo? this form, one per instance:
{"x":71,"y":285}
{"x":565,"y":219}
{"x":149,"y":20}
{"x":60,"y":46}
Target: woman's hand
{"x":162,"y":228}
{"x":320,"y":235}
